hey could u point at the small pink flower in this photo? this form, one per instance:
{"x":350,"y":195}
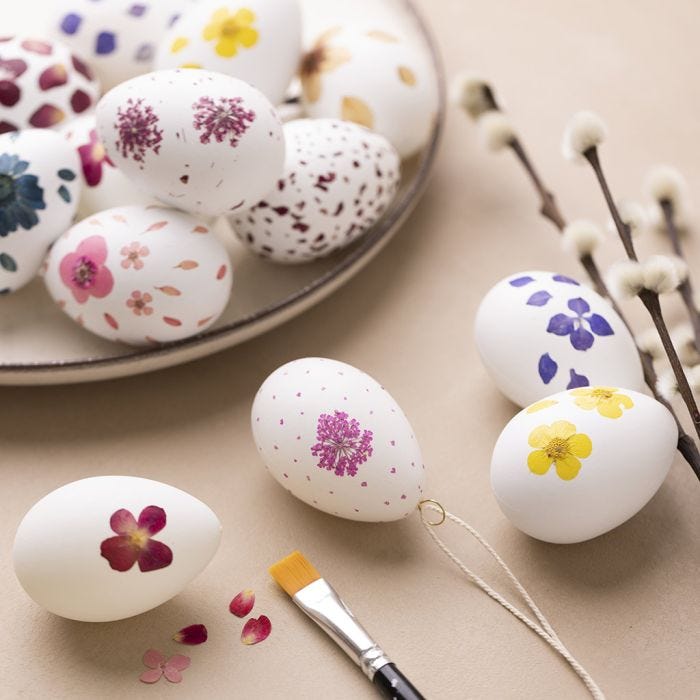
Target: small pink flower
{"x":133,"y":542}
{"x":84,"y":271}
{"x":139,"y":303}
{"x":194,"y":634}
{"x":342,"y":445}
{"x":255,"y":631}
{"x":158,"y":666}
{"x":243,"y":603}
{"x":133,"y":254}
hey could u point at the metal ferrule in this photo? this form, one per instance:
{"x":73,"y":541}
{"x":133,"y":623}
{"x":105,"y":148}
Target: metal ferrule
{"x":323,"y":605}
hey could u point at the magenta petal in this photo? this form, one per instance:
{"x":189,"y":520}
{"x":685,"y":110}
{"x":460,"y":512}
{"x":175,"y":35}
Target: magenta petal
{"x":47,"y":116}
{"x":243,"y":603}
{"x":153,"y":658}
{"x":122,"y":521}
{"x":255,"y":631}
{"x":151,"y":676}
{"x":155,"y":555}
{"x":152,"y":519}
{"x":194,"y":634}
{"x":120,"y":552}
{"x":93,"y":247}
{"x":53,"y":76}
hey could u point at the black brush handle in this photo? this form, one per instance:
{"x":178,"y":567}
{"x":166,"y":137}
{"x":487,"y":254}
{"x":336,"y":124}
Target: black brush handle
{"x":393,"y":684}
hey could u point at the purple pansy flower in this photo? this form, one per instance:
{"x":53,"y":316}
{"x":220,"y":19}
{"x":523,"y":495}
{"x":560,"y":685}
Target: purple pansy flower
{"x":576,"y":326}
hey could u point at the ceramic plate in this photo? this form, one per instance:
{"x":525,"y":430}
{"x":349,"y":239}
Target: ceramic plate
{"x":39,"y":345}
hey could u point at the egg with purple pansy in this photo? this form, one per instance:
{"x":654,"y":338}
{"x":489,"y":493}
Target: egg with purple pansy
{"x":337,"y":440}
{"x":200,"y":141}
{"x":541,"y":332}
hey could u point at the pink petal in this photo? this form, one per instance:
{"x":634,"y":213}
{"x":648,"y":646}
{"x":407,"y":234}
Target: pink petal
{"x":178,"y":661}
{"x":255,"y":631}
{"x":119,"y":552}
{"x":194,"y":634}
{"x":46,"y":116}
{"x":152,"y":518}
{"x":95,"y":248}
{"x":151,"y":676}
{"x":155,"y":555}
{"x":153,"y":658}
{"x":122,"y":522}
{"x":172,"y":674}
{"x":243,"y":603}
{"x":53,"y":76}
{"x":103,"y":283}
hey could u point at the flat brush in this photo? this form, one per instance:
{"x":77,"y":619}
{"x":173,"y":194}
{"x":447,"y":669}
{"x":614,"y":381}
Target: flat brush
{"x":317,"y":598}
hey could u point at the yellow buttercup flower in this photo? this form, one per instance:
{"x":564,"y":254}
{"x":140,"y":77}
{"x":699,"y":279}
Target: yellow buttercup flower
{"x":605,"y":399}
{"x":558,"y":444}
{"x":231,"y":30}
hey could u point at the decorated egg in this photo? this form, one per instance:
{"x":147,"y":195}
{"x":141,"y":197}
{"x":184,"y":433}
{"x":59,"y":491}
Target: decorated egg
{"x":39,"y":191}
{"x":42,"y":84}
{"x":541,"y":332}
{"x":338,"y":180}
{"x":338,"y":441}
{"x":140,"y":275}
{"x":109,"y":547}
{"x":579,"y":463}
{"x":199,"y":141}
{"x":104,"y":186}
{"x":374,"y":78}
{"x":258,"y":41}
{"x":117,"y":38}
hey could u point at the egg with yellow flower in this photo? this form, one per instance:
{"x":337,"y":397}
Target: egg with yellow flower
{"x":581,"y":462}
{"x":258,"y":41}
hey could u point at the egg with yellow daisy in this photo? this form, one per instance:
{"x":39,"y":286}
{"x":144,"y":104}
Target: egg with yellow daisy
{"x":581,"y":462}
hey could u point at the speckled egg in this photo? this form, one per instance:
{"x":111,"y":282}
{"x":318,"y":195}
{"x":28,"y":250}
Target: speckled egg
{"x":104,"y":186}
{"x":258,"y":41}
{"x":375,"y":78}
{"x":541,"y":332}
{"x":579,"y":463}
{"x":118,"y":38}
{"x":203,"y":142}
{"x":337,"y":440}
{"x":339,"y":178}
{"x":140,"y":275}
{"x":42,"y":84}
{"x":39,"y":191}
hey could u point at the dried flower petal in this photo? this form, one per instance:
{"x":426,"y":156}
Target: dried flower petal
{"x":193,"y":634}
{"x":174,"y":666}
{"x":243,"y":603}
{"x":151,"y":676}
{"x":153,"y":658}
{"x":255,"y":631}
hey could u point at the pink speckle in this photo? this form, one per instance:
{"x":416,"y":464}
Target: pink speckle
{"x":364,"y":483}
{"x":285,"y":475}
{"x":357,"y":510}
{"x":275,"y":446}
{"x":281,"y":421}
{"x":392,"y":470}
{"x":298,"y":394}
{"x":386,"y":503}
{"x":298,"y":437}
{"x":393,"y":443}
{"x":403,"y":496}
{"x":308,"y":478}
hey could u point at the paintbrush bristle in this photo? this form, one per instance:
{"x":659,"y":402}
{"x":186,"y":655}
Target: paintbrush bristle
{"x":294,"y":572}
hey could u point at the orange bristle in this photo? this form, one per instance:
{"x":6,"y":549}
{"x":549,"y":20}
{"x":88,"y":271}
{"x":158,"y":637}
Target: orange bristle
{"x":294,"y":572}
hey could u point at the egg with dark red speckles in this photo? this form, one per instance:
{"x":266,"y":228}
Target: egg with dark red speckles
{"x":339,"y":179}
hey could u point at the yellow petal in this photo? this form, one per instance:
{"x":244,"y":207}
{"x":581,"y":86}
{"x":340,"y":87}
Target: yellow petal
{"x":540,"y":436}
{"x":609,"y":409}
{"x":311,"y":85}
{"x":563,"y":429}
{"x":540,"y":405}
{"x":247,"y":36}
{"x":586,"y":402}
{"x":328,"y":34}
{"x":244,"y":16}
{"x":179,"y":44}
{"x":580,"y":445}
{"x":220,"y":15}
{"x":582,"y":391}
{"x":626,"y":401}
{"x":190,"y":65}
{"x":333,"y":58}
{"x":226,"y":47}
{"x":382,"y":36}
{"x":353,"y":109}
{"x":568,"y":467}
{"x":538,"y":462}
{"x":406,"y":75}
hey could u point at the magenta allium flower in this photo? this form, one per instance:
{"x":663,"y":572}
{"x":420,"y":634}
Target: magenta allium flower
{"x":226,"y":118}
{"x":84,"y":272}
{"x":133,"y":542}
{"x":341,"y":445}
{"x":158,"y":666}
{"x":138,"y":130}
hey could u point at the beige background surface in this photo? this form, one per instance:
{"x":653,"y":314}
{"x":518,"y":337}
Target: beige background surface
{"x":627,"y":603}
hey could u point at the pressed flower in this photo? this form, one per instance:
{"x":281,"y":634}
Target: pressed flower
{"x":139,"y":302}
{"x":342,"y":445}
{"x":93,"y":158}
{"x":558,"y":444}
{"x":159,"y":666}
{"x":322,"y":58}
{"x":255,"y":631}
{"x":84,"y":272}
{"x":133,"y":254}
{"x":576,"y":326}
{"x":541,"y":405}
{"x":243,"y":603}
{"x":137,"y":125}
{"x":231,"y":31}
{"x":604,"y":399}
{"x":193,"y":634}
{"x":20,"y":195}
{"x":134,"y":543}
{"x":225,"y":119}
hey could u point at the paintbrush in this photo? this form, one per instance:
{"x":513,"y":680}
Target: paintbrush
{"x":317,"y":598}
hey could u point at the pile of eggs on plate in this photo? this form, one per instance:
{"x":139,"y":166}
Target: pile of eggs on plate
{"x":131,"y":128}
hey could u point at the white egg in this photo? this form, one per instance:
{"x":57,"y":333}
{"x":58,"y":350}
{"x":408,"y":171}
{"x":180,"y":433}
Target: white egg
{"x":582,"y":462}
{"x":140,"y":275}
{"x":199,"y":141}
{"x":258,"y":41}
{"x":541,"y":332}
{"x":109,"y":547}
{"x":338,"y":441}
{"x":42,"y":85}
{"x":375,"y":78}
{"x":39,"y":191}
{"x":117,"y":38}
{"x":104,"y":186}
{"x":338,"y":180}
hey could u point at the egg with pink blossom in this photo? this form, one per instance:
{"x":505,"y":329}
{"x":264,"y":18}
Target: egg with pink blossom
{"x":140,"y":275}
{"x":336,"y":439}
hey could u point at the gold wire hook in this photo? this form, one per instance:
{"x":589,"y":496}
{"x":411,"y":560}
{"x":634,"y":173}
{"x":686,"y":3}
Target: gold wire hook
{"x":438,"y":506}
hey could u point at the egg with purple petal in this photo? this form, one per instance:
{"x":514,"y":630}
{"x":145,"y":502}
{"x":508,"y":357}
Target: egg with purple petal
{"x":39,"y":191}
{"x":259,"y":42}
{"x":203,"y":142}
{"x":337,"y":440}
{"x":42,"y":84}
{"x":339,"y":179}
{"x":140,"y":275}
{"x":542,"y":332}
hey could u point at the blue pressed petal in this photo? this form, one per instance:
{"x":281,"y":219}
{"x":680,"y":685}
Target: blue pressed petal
{"x":19,"y":167}
{"x":63,"y":193}
{"x":547,"y":368}
{"x":581,"y":339}
{"x":565,"y":280}
{"x":7,"y":222}
{"x":66,"y":174}
{"x":106,"y":43}
{"x":521,"y":281}
{"x":5,"y":163}
{"x":26,"y":217}
{"x":579,"y":306}
{"x":539,"y":298}
{"x":71,"y":23}
{"x":577,"y":380}
{"x":599,"y":325}
{"x":7,"y":262}
{"x":560,"y":324}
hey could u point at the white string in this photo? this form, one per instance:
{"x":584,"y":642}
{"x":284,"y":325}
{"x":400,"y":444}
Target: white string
{"x":546,"y":632}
